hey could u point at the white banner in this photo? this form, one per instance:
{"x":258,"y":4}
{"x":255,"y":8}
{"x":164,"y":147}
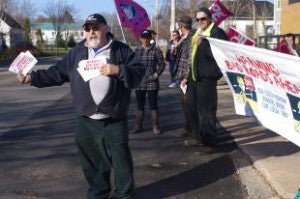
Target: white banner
{"x":264,"y":83}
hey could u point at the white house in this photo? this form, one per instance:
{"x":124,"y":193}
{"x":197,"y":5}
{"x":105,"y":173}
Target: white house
{"x":11,"y":32}
{"x":243,"y":20}
{"x":49,"y":32}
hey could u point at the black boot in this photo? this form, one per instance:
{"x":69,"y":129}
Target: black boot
{"x":138,"y":127}
{"x":155,"y":123}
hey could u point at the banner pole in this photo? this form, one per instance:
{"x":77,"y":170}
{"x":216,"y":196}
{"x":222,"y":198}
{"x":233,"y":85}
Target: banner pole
{"x":124,"y":39}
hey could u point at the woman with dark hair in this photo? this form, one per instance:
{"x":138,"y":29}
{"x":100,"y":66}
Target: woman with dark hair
{"x":154,"y":63}
{"x":171,"y":55}
{"x":287,"y":45}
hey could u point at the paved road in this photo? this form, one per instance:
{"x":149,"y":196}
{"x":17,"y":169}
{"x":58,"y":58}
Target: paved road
{"x":39,"y":159}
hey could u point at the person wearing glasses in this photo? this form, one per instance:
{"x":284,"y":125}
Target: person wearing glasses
{"x":202,"y":82}
{"x":101,"y":103}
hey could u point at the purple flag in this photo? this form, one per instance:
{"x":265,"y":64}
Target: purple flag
{"x":132,"y":16}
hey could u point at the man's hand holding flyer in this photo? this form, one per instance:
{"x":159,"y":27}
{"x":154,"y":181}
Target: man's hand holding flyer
{"x":23,"y":63}
{"x":89,"y":69}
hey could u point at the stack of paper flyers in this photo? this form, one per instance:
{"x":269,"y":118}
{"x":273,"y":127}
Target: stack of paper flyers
{"x":23,"y":63}
{"x":89,"y":69}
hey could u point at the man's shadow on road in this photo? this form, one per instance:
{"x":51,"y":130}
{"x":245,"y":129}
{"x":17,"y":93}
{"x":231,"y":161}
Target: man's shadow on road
{"x":190,"y":180}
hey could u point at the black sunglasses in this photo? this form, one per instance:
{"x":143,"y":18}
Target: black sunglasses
{"x":201,"y":19}
{"x":89,"y":28}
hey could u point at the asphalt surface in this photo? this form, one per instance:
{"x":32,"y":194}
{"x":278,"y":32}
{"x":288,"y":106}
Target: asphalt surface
{"x":39,"y":158}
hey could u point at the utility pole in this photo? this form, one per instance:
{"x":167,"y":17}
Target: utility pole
{"x":157,"y":16}
{"x":172,"y":24}
{"x":254,"y":20}
{"x":2,"y":5}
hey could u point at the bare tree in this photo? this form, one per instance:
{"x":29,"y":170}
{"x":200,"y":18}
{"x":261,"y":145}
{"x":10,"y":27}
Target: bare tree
{"x":7,"y":5}
{"x":257,"y":11}
{"x":27,"y":9}
{"x":56,"y":11}
{"x":235,"y":7}
{"x":265,"y":13}
{"x":42,"y":19}
{"x":189,"y":7}
{"x":242,"y":10}
{"x":24,"y":11}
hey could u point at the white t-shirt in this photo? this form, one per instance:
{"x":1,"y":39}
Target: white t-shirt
{"x":99,"y":85}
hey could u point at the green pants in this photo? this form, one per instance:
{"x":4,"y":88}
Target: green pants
{"x":103,"y":145}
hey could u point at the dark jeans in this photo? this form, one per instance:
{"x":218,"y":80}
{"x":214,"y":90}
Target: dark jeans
{"x":141,"y":99}
{"x":172,"y":69}
{"x":103,"y":145}
{"x":202,"y":105}
{"x":187,"y":119}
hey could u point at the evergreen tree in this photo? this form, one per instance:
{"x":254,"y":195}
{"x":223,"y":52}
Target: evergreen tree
{"x":39,"y":36}
{"x":71,"y":42}
{"x":59,"y":42}
{"x":27,"y":30}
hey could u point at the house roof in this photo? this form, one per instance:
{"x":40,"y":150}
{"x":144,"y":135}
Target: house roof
{"x":9,"y":20}
{"x":64,"y":26}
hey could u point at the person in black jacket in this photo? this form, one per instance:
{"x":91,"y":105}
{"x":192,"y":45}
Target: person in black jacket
{"x":202,"y":82}
{"x":101,"y":103}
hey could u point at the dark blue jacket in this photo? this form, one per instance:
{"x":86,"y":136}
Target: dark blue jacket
{"x":116,"y":102}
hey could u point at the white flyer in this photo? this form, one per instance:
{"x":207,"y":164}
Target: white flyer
{"x":23,"y":63}
{"x":183,"y":87}
{"x":89,"y":69}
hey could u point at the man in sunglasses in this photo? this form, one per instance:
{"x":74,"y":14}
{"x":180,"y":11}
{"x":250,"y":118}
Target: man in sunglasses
{"x":101,"y":103}
{"x":202,"y":82}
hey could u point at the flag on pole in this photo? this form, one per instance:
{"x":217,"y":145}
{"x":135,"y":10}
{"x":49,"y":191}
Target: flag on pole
{"x":219,"y":12}
{"x":237,"y":37}
{"x":132,"y":16}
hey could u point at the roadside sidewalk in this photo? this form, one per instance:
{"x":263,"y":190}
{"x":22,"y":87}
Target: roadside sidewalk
{"x":274,"y":157}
